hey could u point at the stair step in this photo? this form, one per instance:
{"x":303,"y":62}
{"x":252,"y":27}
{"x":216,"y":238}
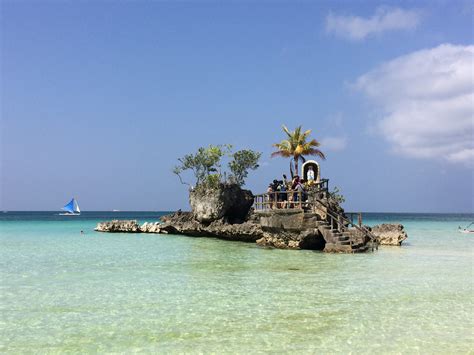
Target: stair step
{"x":343,"y":242}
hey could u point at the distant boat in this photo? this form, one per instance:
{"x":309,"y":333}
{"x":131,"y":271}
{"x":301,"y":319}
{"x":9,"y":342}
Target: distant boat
{"x":72,"y":209}
{"x":115,"y":210}
{"x":467,"y":229}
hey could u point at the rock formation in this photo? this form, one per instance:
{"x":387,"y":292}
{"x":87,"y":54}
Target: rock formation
{"x":225,"y":213}
{"x":278,"y":231}
{"x":227,"y":201}
{"x":185,"y":223}
{"x":118,"y":226}
{"x":154,"y":227}
{"x":390,"y":234}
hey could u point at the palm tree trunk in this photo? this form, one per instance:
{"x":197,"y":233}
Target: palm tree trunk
{"x":296,"y":167}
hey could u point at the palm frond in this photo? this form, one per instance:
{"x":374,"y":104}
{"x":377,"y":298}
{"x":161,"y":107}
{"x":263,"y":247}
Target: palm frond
{"x":296,"y":146}
{"x":297,"y":133}
{"x":317,"y":152}
{"x":281,"y":153}
{"x":314,"y":143}
{"x":306,"y":134}
{"x":287,"y":131}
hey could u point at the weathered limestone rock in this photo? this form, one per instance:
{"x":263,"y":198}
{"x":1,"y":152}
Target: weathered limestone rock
{"x":184,"y":223}
{"x":284,"y":240}
{"x":228,"y":201}
{"x":151,"y":227}
{"x":118,"y":226}
{"x":390,"y":234}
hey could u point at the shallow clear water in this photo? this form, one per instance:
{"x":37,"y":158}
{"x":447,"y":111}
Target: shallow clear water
{"x":64,"y":292}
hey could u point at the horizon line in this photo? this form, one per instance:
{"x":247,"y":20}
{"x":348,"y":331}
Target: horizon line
{"x":347,"y":212}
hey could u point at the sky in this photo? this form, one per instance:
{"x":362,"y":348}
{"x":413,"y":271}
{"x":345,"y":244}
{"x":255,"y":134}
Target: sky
{"x":100,"y":98}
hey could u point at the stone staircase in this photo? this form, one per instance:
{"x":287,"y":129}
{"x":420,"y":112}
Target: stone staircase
{"x":345,"y":241}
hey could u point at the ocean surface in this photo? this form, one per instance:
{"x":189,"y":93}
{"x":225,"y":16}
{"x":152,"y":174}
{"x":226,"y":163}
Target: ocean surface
{"x":120,"y":293}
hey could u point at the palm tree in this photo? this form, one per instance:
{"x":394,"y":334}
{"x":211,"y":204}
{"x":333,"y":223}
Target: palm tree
{"x":296,"y":147}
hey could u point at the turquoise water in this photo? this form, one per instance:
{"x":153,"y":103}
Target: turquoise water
{"x":122,"y":293}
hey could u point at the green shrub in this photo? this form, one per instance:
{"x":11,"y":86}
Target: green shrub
{"x":206,"y":165}
{"x":243,"y":161}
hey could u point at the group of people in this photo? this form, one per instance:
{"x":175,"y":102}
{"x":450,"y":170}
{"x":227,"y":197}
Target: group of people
{"x":286,"y":193}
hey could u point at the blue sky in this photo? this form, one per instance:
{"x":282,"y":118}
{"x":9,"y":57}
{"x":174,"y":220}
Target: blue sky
{"x":99,"y":99}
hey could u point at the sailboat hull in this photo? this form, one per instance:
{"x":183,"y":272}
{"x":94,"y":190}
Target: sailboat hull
{"x":69,"y":214}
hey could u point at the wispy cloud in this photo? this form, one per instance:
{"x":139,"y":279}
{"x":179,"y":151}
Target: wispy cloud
{"x":334,"y":144}
{"x":385,"y":19}
{"x":426,"y":99}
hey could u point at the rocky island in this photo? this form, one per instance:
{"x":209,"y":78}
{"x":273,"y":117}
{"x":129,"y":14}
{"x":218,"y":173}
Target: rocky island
{"x":297,"y":214}
{"x":288,"y":229}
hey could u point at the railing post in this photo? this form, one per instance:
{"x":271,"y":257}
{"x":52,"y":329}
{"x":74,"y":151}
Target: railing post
{"x":341,"y":223}
{"x":359,"y":219}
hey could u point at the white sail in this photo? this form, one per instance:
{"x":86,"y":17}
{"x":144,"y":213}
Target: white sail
{"x":76,"y":207}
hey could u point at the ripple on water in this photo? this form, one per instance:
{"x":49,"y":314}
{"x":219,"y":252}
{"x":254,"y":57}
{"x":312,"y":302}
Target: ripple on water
{"x":123,"y":293}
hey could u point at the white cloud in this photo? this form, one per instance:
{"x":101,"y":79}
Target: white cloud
{"x":333,"y":144}
{"x":384,"y":19}
{"x":427,"y":102}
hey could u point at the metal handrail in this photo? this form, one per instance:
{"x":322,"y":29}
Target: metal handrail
{"x":339,"y":216}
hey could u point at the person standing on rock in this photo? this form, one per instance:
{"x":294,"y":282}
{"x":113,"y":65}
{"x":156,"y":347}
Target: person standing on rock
{"x":271,"y":195}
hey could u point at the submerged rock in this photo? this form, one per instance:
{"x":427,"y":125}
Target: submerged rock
{"x":119,"y":226}
{"x":389,"y":233}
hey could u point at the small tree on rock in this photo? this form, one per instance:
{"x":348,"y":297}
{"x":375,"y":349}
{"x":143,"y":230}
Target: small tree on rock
{"x":243,"y":161}
{"x":206,"y":165}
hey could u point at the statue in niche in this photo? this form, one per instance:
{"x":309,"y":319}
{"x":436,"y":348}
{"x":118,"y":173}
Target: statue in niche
{"x":310,"y":174}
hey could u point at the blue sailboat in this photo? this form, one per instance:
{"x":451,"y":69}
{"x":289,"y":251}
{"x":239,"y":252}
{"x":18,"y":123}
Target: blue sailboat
{"x":72,"y":209}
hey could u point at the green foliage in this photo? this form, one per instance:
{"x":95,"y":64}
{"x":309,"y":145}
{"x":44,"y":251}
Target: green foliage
{"x":206,"y":165}
{"x":337,"y":196}
{"x":243,"y":161}
{"x":213,"y":181}
{"x":203,"y":163}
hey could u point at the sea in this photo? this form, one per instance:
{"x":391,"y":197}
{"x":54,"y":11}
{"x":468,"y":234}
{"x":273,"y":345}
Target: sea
{"x":66,"y":292}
